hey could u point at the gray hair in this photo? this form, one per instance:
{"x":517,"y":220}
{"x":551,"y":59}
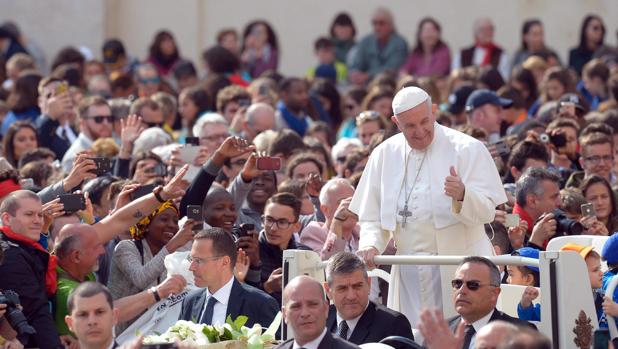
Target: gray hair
{"x":329,"y":187}
{"x":494,"y":272}
{"x":344,"y":263}
{"x":342,"y":144}
{"x":531,"y":182}
{"x":151,"y":138}
{"x":255,"y":108}
{"x":208,"y":118}
{"x":120,"y":107}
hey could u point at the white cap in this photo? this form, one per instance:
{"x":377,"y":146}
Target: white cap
{"x":408,"y":98}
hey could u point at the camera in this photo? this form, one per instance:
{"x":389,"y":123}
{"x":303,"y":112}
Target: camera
{"x":557,"y":139}
{"x":566,"y":225}
{"x":15,"y":316}
{"x":242,"y":230}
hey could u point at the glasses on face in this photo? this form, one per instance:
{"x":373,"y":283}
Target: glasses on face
{"x":153,"y":80}
{"x":201,"y":261}
{"x":99,"y":119}
{"x":281,"y":223}
{"x":472,"y":285}
{"x":217,"y":137}
{"x":597,"y":159}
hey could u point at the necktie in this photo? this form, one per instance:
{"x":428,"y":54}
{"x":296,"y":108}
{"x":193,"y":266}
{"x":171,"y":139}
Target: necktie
{"x":470,"y":332}
{"x":342,"y":331}
{"x":207,"y":315}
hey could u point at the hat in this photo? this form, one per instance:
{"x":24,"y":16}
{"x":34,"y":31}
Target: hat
{"x":528,"y":252}
{"x":408,"y":98}
{"x":610,"y":250}
{"x":571,"y":98}
{"x":479,"y":98}
{"x":582,"y":250}
{"x":112,"y":50}
{"x":326,"y":71}
{"x":457,"y":99}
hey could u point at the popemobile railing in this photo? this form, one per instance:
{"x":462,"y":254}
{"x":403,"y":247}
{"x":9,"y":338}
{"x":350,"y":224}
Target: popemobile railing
{"x":568,"y":315}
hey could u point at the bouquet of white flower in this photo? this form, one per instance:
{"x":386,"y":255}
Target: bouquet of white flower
{"x":203,"y":336}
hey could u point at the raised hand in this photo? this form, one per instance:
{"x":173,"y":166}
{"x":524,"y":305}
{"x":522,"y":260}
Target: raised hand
{"x":249,"y":170}
{"x":367,"y":254}
{"x":530,"y":294}
{"x":314,"y":184}
{"x":242,"y":265}
{"x":233,"y":146}
{"x":437,"y":333}
{"x":124,"y":197}
{"x":453,"y":186}
{"x":175,"y":188}
{"x":51,"y":210}
{"x":80,"y":171}
{"x":131,"y":128}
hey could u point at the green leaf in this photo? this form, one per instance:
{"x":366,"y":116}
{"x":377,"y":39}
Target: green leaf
{"x":229,"y":321}
{"x":227,"y":335}
{"x":240,"y":321}
{"x":211,"y":334}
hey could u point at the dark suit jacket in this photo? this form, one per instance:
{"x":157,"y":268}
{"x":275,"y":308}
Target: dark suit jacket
{"x":376,"y":323}
{"x":328,"y":342}
{"x":245,"y":300}
{"x":48,"y":137}
{"x":497,"y":315}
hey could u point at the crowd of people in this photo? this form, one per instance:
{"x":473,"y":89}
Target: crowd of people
{"x":110,"y":165}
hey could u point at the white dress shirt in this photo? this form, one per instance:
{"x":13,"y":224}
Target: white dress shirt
{"x":314,"y":344}
{"x":222,"y":296}
{"x":478,"y":324}
{"x":351,"y":323}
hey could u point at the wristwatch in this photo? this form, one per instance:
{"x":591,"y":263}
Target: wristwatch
{"x":155,"y":294}
{"x":157,"y":193}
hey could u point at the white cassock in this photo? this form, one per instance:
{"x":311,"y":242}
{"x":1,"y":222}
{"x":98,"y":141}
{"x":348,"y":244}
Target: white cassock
{"x":438,"y":225}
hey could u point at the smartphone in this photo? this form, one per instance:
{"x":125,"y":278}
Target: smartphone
{"x":104,"y":165}
{"x":159,"y":170}
{"x":502,"y":148}
{"x":194,"y":212}
{"x":588,"y":210}
{"x":601,"y":339}
{"x":243,"y":230}
{"x":189,"y":153}
{"x":72,"y":202}
{"x":142,"y":191}
{"x":192,"y":141}
{"x":558,"y":140}
{"x":269,"y":163}
{"x":512,"y":220}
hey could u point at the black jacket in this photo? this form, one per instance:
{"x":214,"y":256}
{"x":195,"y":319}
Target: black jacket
{"x":376,"y":323}
{"x":271,"y":257}
{"x":23,"y":271}
{"x":245,"y":300}
{"x":328,"y":342}
{"x":196,"y":193}
{"x":48,"y":137}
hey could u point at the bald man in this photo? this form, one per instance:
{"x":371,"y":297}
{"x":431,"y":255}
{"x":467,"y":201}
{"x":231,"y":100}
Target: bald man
{"x":78,"y":249}
{"x":484,"y":52}
{"x":383,"y":49}
{"x":495,"y":334}
{"x":258,"y":118}
{"x":305,"y":310}
{"x":340,"y":230}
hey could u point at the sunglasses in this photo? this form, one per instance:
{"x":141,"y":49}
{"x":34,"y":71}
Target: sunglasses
{"x":153,"y":124}
{"x":99,"y":119}
{"x":472,"y":285}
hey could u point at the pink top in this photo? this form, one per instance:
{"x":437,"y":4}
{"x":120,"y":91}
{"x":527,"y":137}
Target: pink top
{"x":437,"y":65}
{"x":316,"y":236}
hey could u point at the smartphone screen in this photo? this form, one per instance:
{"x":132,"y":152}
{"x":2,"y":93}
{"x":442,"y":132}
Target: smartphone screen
{"x":104,"y":165}
{"x":142,"y":191}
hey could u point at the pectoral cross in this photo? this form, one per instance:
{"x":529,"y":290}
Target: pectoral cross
{"x":405,"y":214}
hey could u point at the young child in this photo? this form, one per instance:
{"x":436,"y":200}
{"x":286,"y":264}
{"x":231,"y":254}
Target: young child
{"x":526,"y":276}
{"x":610,"y":255}
{"x":328,"y":67}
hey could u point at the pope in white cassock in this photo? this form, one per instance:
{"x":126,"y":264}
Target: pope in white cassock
{"x":432,"y":189}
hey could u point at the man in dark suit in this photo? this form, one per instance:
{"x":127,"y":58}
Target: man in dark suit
{"x":213,"y":256}
{"x":305,"y":310}
{"x":476,"y":288}
{"x":353,"y":317}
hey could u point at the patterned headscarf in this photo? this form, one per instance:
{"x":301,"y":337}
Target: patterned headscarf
{"x":138,"y":230}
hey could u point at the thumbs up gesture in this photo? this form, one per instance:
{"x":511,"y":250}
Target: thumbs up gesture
{"x":453,"y":186}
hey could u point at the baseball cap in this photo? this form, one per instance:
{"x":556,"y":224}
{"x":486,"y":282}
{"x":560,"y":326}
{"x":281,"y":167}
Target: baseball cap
{"x":582,"y":250}
{"x":610,"y":250}
{"x":457,"y":99}
{"x":481,"y":97}
{"x":528,"y":252}
{"x":112,"y":50}
{"x":571,"y":98}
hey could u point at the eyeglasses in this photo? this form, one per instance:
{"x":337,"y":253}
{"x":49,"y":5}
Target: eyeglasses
{"x":368,"y":115}
{"x":201,"y":261}
{"x":214,"y":138}
{"x":281,"y":223}
{"x":472,"y":285}
{"x":153,"y":80}
{"x":100,"y":118}
{"x":597,"y":159}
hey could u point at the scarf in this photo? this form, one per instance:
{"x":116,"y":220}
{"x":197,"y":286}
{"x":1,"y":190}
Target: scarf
{"x":138,"y":230}
{"x":50,"y":273}
{"x":299,"y":125}
{"x":489,"y":50}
